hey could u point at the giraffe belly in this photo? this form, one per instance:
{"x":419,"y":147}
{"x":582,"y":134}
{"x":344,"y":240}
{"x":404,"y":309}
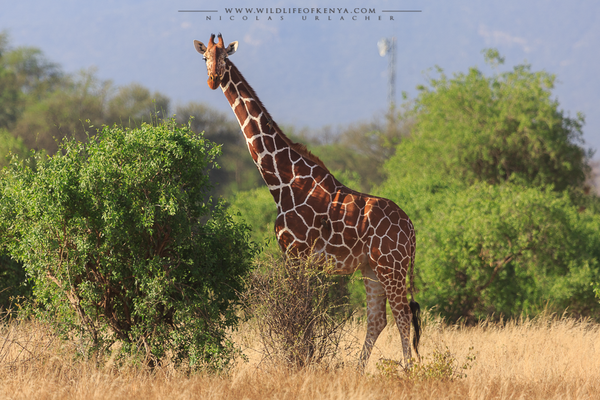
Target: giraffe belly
{"x":336,"y":240}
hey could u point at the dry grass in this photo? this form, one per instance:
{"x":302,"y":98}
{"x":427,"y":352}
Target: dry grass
{"x":546,"y":358}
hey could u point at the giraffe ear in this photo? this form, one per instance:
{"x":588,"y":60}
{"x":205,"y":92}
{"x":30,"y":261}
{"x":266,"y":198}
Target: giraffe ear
{"x":231,"y":48}
{"x":200,"y":47}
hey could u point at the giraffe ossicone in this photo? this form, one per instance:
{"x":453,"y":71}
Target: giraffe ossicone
{"x":315,"y":212}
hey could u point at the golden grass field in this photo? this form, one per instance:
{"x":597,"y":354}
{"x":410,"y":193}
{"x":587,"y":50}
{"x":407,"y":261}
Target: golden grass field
{"x":544,"y":358}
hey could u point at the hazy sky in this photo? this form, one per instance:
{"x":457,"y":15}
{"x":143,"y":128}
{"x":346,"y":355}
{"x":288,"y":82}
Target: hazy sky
{"x":313,"y":73}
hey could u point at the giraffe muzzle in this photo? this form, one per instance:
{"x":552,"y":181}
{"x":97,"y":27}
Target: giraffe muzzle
{"x":214,"y":81}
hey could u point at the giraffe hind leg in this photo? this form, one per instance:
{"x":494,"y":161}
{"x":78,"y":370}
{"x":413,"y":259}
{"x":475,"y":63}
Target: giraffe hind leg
{"x":396,"y":293}
{"x":376,"y":316}
{"x":403,"y":317}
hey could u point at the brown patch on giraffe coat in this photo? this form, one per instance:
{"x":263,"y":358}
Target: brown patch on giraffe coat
{"x":307,"y":214}
{"x":312,"y":237}
{"x":341,"y":252}
{"x":296,"y":224}
{"x":275,"y":193}
{"x":263,"y":123}
{"x":319,"y":200}
{"x":336,"y":239}
{"x":301,"y":188}
{"x":257,"y":145}
{"x":337,"y":225}
{"x":352,"y":215}
{"x":295,"y":157}
{"x":225,"y":78}
{"x":279,"y":142}
{"x":231,"y":94}
{"x":245,"y":93}
{"x":402,"y":238}
{"x":286,"y":201}
{"x":383,"y":227}
{"x":266,"y":163}
{"x":284,"y":167}
{"x":285,"y":239}
{"x":301,"y":168}
{"x":358,"y":250}
{"x":269,"y":143}
{"x":251,"y":126}
{"x":241,"y":113}
{"x":350,"y":236}
{"x":253,"y":108}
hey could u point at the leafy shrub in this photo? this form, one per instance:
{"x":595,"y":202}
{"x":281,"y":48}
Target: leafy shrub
{"x":504,"y":250}
{"x":122,"y":245}
{"x":257,"y":208}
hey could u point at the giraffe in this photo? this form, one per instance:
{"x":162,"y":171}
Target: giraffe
{"x":315,"y":212}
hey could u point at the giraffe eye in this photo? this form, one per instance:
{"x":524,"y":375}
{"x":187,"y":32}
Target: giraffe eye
{"x":204,"y":58}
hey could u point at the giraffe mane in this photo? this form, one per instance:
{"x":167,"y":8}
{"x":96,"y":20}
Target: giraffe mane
{"x":299,"y":148}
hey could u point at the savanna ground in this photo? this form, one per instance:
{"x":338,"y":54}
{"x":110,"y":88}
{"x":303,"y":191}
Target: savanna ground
{"x":542,"y":358}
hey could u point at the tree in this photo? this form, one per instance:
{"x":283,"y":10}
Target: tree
{"x":494,"y":129}
{"x":134,"y":104}
{"x":26,"y":76}
{"x":63,"y":112}
{"x":237,"y":171}
{"x":493,"y":178}
{"x":122,"y":245}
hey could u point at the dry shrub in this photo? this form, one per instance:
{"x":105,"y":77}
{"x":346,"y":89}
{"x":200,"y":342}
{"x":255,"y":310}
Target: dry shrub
{"x":440,"y":365}
{"x":299,"y":315}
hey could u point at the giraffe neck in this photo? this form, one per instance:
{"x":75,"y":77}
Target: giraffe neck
{"x":277,"y":158}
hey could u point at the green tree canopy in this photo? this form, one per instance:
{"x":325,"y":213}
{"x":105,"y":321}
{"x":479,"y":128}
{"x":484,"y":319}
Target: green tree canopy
{"x":493,"y":129}
{"x":64,"y":112}
{"x":133,"y":104}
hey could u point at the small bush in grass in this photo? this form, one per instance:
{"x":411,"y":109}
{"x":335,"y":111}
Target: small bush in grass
{"x":440,"y":365}
{"x":122,"y":245}
{"x":299,"y":318}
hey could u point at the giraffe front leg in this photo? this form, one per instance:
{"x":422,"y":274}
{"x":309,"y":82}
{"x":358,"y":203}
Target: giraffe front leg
{"x":376,"y":317}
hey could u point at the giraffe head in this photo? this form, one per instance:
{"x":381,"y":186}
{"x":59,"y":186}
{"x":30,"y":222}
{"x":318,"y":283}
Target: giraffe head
{"x":215,"y":55}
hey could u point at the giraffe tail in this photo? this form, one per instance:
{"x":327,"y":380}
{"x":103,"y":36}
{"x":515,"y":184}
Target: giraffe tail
{"x":415,"y":308}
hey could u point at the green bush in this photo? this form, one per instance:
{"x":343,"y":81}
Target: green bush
{"x":123,"y":246}
{"x":257,"y":208}
{"x":504,"y":249}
